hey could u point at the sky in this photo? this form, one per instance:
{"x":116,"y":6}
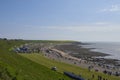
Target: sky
{"x":79,"y":20}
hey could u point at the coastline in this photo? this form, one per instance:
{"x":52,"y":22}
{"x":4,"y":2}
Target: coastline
{"x":73,"y":53}
{"x":76,"y":50}
{"x":111,"y":48}
{"x":89,"y":58}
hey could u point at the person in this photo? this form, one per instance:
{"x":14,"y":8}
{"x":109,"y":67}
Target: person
{"x":96,"y":70}
{"x":99,"y":77}
{"x":103,"y":78}
{"x":93,"y":76}
{"x":105,"y":72}
{"x":116,"y":74}
{"x":89,"y":68}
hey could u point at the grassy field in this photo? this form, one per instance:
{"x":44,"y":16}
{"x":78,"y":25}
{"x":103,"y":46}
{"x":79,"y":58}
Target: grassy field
{"x":16,"y":67}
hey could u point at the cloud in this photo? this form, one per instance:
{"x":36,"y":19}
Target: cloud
{"x":98,"y":27}
{"x":100,"y":23}
{"x":97,"y":31}
{"x":113,"y":8}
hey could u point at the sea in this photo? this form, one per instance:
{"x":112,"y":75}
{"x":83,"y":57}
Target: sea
{"x":111,"y":48}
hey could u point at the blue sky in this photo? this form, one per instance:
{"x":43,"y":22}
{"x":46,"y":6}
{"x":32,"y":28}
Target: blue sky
{"x":81,"y":20}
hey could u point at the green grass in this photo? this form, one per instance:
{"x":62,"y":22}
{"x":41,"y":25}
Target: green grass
{"x":40,"y":59}
{"x":51,"y":41}
{"x":16,"y":67}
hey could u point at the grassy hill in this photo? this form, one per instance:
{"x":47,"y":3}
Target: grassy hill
{"x":40,"y":59}
{"x":35,"y":66}
{"x":16,"y":67}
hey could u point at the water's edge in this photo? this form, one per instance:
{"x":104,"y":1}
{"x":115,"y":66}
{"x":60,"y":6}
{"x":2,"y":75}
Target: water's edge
{"x":112,"y":48}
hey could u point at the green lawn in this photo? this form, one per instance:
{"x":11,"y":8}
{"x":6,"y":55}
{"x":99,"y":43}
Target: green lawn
{"x":40,"y":59}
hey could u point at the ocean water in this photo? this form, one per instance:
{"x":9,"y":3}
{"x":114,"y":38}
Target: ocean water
{"x":112,"y":48}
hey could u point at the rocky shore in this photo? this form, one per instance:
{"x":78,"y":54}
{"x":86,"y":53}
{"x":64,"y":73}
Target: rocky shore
{"x":76,"y":50}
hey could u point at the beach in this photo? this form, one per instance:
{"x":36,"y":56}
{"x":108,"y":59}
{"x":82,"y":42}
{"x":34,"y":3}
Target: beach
{"x":73,"y":53}
{"x":85,"y":58}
